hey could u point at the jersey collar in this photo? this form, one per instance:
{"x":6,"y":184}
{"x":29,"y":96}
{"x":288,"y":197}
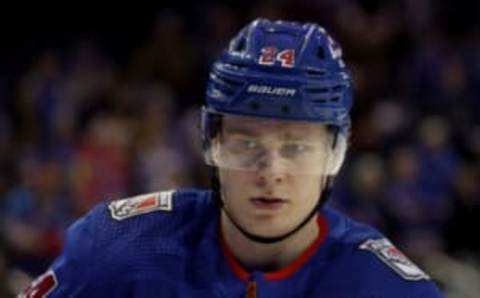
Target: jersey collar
{"x":283,"y":273}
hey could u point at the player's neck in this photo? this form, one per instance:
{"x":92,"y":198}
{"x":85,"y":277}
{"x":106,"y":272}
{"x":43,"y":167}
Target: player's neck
{"x":268,"y":257}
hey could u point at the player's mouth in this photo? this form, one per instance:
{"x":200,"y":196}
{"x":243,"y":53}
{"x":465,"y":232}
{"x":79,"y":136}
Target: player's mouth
{"x":268,"y":203}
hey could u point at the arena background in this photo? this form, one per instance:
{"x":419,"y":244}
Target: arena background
{"x":97,"y":104}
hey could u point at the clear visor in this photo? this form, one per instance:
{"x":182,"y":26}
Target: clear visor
{"x":258,"y":144}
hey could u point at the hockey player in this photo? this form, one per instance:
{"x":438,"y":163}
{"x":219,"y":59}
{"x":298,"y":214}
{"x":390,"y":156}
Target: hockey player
{"x":275,"y":129}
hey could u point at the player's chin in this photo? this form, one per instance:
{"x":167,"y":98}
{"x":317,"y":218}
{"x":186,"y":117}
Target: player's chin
{"x":268,"y":226}
{"x":268,"y":232}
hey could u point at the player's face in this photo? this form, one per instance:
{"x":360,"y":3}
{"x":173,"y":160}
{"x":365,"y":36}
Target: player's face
{"x":271,"y":172}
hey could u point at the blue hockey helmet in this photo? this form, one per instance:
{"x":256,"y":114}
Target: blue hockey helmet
{"x":270,"y":96}
{"x":285,"y":71}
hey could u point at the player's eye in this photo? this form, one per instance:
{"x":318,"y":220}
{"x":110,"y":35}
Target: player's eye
{"x":294,"y":150}
{"x":249,"y":144}
{"x":243,"y":145}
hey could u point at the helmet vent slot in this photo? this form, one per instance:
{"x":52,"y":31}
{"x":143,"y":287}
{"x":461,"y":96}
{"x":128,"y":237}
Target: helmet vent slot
{"x":316,"y":72}
{"x":321,"y":53}
{"x":337,"y":88}
{"x":326,"y":100}
{"x":318,"y":90}
{"x":240,"y":46}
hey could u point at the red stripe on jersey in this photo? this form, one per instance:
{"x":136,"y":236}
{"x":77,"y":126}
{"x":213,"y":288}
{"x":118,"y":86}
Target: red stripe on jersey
{"x":307,"y":254}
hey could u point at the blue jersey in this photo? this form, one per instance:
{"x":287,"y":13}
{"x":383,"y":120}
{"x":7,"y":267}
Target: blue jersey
{"x":168,"y":244}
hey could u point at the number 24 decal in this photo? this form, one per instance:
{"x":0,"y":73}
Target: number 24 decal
{"x":269,"y":55}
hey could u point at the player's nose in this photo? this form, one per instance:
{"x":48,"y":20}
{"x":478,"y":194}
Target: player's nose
{"x":270,"y":170}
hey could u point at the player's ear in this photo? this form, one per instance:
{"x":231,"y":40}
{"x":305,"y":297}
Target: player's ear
{"x":214,"y":150}
{"x":335,"y":161}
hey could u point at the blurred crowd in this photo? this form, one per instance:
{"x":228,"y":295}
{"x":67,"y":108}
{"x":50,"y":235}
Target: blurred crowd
{"x":82,"y":127}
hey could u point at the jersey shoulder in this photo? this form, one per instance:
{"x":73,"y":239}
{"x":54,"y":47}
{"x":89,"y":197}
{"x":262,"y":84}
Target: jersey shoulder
{"x":119,"y":240}
{"x":364,"y":258}
{"x":166,"y":218}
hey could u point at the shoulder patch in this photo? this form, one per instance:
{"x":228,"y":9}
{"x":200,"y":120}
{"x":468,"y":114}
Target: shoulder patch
{"x":126,"y":208}
{"x":394,"y":258}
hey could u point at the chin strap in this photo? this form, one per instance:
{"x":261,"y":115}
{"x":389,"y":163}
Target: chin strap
{"x":326,"y":191}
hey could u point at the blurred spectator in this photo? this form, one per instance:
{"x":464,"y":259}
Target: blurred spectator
{"x":5,"y":291}
{"x":458,"y":279}
{"x":408,"y":204}
{"x":168,"y":56}
{"x":35,"y":214}
{"x":159,"y":162}
{"x":363,"y":198}
{"x":191,"y":144}
{"x":101,"y":167}
{"x":465,"y":214}
{"x":438,"y":161}
{"x":89,"y":78}
{"x":222,"y":22}
{"x":40,"y":99}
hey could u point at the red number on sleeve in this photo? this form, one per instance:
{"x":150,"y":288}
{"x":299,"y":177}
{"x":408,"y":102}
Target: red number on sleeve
{"x":41,"y":287}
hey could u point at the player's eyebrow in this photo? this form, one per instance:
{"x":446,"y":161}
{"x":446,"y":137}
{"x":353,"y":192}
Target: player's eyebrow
{"x":296,"y":136}
{"x":301,"y":132}
{"x":285,"y":132}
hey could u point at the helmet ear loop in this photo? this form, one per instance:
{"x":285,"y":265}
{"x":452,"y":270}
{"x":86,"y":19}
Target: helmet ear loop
{"x":331,"y":165}
{"x":335,"y":139}
{"x":215,"y":184}
{"x":338,"y":148}
{"x":212,"y":128}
